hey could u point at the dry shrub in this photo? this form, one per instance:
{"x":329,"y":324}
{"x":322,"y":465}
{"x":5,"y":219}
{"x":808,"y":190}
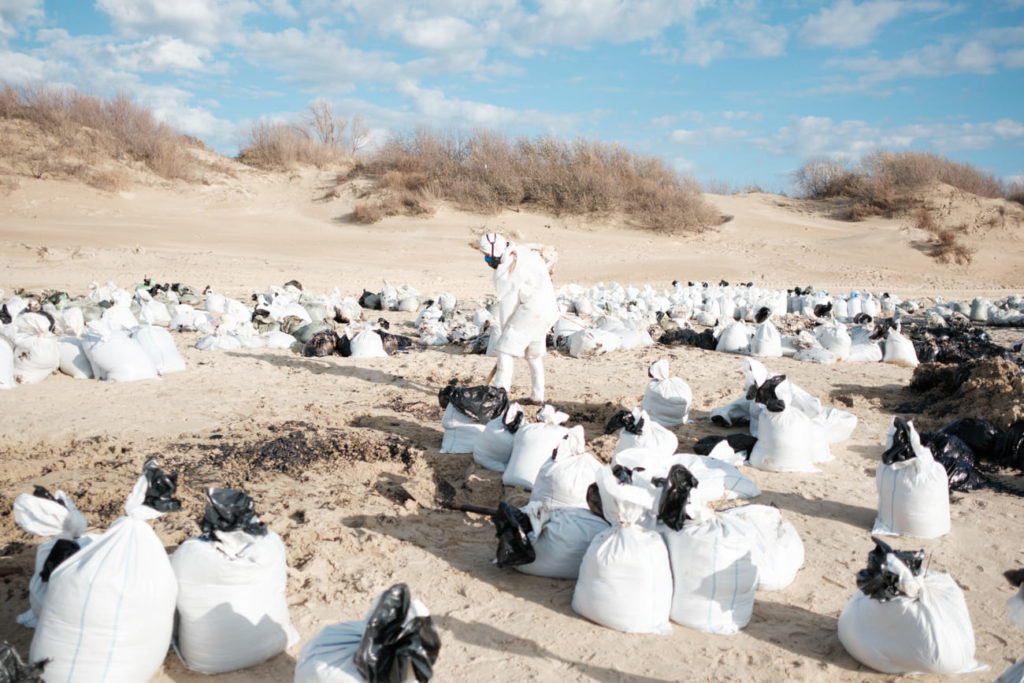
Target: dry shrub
{"x":1015,"y":192}
{"x":486,"y":171}
{"x":948,"y":244}
{"x":276,"y":146}
{"x":368,"y":212}
{"x":113,"y":180}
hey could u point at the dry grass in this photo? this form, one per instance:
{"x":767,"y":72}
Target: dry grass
{"x":75,"y":132}
{"x":1015,"y":192}
{"x":885,"y":183}
{"x":948,"y":245}
{"x":320,"y":139}
{"x":486,"y":171}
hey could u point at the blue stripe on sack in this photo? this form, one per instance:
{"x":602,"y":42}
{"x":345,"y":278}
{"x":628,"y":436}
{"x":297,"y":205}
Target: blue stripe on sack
{"x":120,"y":600}
{"x":735,"y":585}
{"x":81,"y":623}
{"x":714,"y":578}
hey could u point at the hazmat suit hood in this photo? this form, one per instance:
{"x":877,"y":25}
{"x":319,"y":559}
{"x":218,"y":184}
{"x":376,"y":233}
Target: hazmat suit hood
{"x":494,"y":247}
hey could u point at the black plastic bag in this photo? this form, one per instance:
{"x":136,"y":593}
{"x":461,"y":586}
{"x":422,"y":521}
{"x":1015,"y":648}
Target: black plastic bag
{"x":624,"y":419}
{"x":159,"y":494}
{"x":958,"y":459}
{"x":389,"y":645}
{"x":676,"y":494}
{"x":344,"y":346}
{"x":1015,"y":577}
{"x":877,"y":582}
{"x":323,"y":343}
{"x":686,"y":337}
{"x":481,"y":403}
{"x":511,"y":528}
{"x":370,"y":300}
{"x":900,"y":449}
{"x":594,"y":500}
{"x":623,"y":473}
{"x":1010,"y":449}
{"x":516,"y":422}
{"x":41,"y":492}
{"x":762,"y":315}
{"x":14,"y":670}
{"x":230,"y":510}
{"x":62,"y":549}
{"x":741,"y":443}
{"x":979,"y":435}
{"x":765,"y":394}
{"x":394,"y":343}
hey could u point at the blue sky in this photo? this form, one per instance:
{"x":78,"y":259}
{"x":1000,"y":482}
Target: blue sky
{"x":738,"y":92}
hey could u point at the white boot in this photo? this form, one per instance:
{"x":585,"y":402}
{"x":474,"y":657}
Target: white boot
{"x":503,"y":372}
{"x":537,"y":377}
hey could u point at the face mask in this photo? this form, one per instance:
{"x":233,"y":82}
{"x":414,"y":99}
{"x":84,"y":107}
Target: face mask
{"x":493,"y":261}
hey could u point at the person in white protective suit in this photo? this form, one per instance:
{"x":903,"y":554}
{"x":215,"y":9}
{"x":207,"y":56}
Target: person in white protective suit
{"x":527,"y":308}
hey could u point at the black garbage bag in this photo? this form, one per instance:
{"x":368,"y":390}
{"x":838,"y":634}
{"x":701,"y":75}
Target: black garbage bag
{"x":511,"y":528}
{"x":981,"y":436}
{"x":900,"y":449}
{"x":822,"y":310}
{"x":370,"y":300}
{"x":344,"y":346}
{"x":62,"y":549}
{"x":481,"y":403}
{"x":958,"y":459}
{"x":230,"y":510}
{"x":1010,"y":448}
{"x":624,"y":419}
{"x":765,"y":394}
{"x":14,"y":670}
{"x":686,"y":337}
{"x":677,"y":486}
{"x":624,"y":474}
{"x":741,"y":443}
{"x":594,"y":500}
{"x":1015,"y":577}
{"x":390,"y":645}
{"x":394,"y":342}
{"x":41,"y":492}
{"x":323,"y":343}
{"x":877,"y":582}
{"x":160,"y":494}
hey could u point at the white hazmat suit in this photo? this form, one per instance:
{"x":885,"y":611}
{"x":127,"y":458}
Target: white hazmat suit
{"x":527,"y":308}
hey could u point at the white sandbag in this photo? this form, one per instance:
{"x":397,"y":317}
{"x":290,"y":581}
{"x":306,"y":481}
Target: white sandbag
{"x":70,"y":321}
{"x":838,"y":424}
{"x":154,"y":312}
{"x":460,"y":431}
{"x":159,"y":346}
{"x":560,"y":538}
{"x":232,"y":605}
{"x":36,"y":353}
{"x":329,"y":657}
{"x":109,"y":610}
{"x":652,"y":436}
{"x":216,"y":304}
{"x":778,"y":551}
{"x":913,"y":495}
{"x":563,"y":479}
{"x":899,"y":350}
{"x":1015,"y":674}
{"x":368,"y":344}
{"x":1015,"y":607}
{"x":732,"y":413}
{"x":184,"y":318}
{"x":275,"y":339}
{"x":927,"y":629}
{"x":115,"y":356}
{"x":766,"y":341}
{"x":73,"y":361}
{"x":625,"y":581}
{"x":815,"y":354}
{"x":221,"y":340}
{"x":866,"y":352}
{"x":54,"y":519}
{"x":735,"y":338}
{"x":714,"y":578}
{"x":6,"y":364}
{"x":667,"y":399}
{"x":834,"y":338}
{"x":787,"y":441}
{"x":532,"y":447}
{"x":120,"y":316}
{"x":718,"y":472}
{"x":493,"y":447}
{"x":592,"y":342}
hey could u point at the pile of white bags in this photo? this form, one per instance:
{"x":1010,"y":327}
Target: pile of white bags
{"x":36,"y":353}
{"x":109,"y":611}
{"x":625,"y":581}
{"x":55,"y":517}
{"x":159,"y":345}
{"x":115,"y":356}
{"x":232,"y":607}
{"x":397,"y":641}
{"x":533,"y":445}
{"x":907,"y":620}
{"x":640,"y":431}
{"x":667,"y":399}
{"x":714,"y":473}
{"x":73,"y":361}
{"x":913,"y":488}
{"x":493,"y":447}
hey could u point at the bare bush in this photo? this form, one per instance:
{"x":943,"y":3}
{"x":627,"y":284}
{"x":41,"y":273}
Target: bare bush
{"x":948,"y":245}
{"x":1015,"y":191}
{"x":821,"y":178}
{"x":487,"y":171}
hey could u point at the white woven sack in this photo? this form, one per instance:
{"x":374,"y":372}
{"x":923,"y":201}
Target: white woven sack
{"x":329,"y":657}
{"x":159,"y":345}
{"x":625,"y":581}
{"x":232,"y":606}
{"x":1016,"y":607}
{"x":560,"y":538}
{"x":927,"y":631}
{"x":36,"y":353}
{"x":460,"y":431}
{"x":667,"y":399}
{"x":564,"y":478}
{"x":368,"y":344}
{"x":899,"y":350}
{"x":709,"y":469}
{"x":115,"y":356}
{"x":592,"y":342}
{"x":787,"y":441}
{"x":735,"y":338}
{"x":109,"y":610}
{"x":766,"y":341}
{"x":713,"y":571}
{"x":652,"y":436}
{"x":493,"y":447}
{"x":778,"y":551}
{"x":53,"y":520}
{"x":73,"y":361}
{"x":533,"y":446}
{"x":838,"y":424}
{"x":1015,"y":674}
{"x":913,"y":495}
{"x":6,"y":364}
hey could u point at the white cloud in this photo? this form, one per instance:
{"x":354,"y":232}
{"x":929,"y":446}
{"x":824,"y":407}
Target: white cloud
{"x":17,"y":68}
{"x":975,"y":57}
{"x":206,"y":22}
{"x":707,"y":136}
{"x":439,"y":33}
{"x":683,"y":166}
{"x":159,"y":54}
{"x":14,"y":13}
{"x":845,"y":24}
{"x":171,"y":105}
